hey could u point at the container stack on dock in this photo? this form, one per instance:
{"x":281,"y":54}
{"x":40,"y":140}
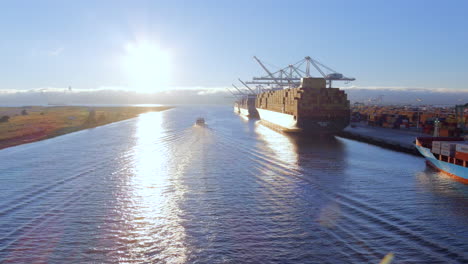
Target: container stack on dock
{"x":406,"y":117}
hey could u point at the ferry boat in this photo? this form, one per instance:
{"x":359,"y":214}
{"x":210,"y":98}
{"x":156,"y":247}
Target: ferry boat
{"x":200,"y":121}
{"x":446,"y":154}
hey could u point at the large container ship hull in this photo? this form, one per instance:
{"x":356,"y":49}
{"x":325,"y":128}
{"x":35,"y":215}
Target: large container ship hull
{"x":455,"y":170}
{"x":311,"y":108}
{"x":244,"y":112}
{"x":241,"y":110}
{"x":236,"y":108}
{"x":323,"y":125}
{"x":310,"y":125}
{"x":246,"y":107}
{"x":278,"y":121}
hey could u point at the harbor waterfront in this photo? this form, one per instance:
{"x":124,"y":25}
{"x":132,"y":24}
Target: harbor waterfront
{"x":160,"y":189}
{"x":394,"y":139}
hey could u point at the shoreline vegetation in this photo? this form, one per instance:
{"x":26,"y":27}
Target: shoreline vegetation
{"x":20,"y":125}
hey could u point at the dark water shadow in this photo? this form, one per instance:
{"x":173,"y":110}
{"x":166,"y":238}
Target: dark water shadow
{"x":319,"y":158}
{"x":442,"y":186}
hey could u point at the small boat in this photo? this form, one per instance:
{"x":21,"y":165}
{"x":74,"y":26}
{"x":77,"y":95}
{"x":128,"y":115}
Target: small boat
{"x":200,"y":121}
{"x":445,"y":154}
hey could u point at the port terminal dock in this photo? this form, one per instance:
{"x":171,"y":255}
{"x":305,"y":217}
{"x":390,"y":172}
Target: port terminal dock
{"x":395,"y":139}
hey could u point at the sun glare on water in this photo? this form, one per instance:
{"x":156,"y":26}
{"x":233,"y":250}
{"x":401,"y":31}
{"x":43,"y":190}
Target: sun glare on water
{"x":147,"y":67}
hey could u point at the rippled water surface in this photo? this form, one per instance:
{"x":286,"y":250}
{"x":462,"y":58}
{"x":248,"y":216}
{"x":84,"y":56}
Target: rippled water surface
{"x":157,"y":189}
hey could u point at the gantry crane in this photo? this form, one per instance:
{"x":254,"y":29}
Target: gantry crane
{"x":291,"y":75}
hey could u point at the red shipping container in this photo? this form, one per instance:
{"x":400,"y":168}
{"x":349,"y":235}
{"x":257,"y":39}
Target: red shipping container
{"x":461,"y":155}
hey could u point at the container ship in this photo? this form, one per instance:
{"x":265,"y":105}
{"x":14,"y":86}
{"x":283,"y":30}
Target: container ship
{"x":291,"y":100}
{"x":446,"y":154}
{"x":246,"y":106}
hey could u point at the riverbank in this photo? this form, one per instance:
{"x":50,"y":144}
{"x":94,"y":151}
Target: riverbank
{"x":20,"y":125}
{"x":394,"y":139}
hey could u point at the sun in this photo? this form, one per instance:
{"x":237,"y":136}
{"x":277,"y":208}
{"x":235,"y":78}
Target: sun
{"x":147,"y":67}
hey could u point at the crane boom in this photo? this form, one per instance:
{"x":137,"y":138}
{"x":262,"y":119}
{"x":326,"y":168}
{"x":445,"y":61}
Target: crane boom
{"x":316,"y":67}
{"x":263,"y":66}
{"x":235,"y":95}
{"x":252,"y":91}
{"x":271,"y":79}
{"x":284,"y":84}
{"x":297,"y":72}
{"x":239,"y":90}
{"x":291,"y":75}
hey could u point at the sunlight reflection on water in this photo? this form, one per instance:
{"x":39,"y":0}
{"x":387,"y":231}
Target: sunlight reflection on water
{"x":279,"y":143}
{"x":152,"y":204}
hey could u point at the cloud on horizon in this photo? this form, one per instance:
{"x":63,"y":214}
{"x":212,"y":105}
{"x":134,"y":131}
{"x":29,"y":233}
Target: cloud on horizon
{"x":408,"y":89}
{"x":215,"y":95}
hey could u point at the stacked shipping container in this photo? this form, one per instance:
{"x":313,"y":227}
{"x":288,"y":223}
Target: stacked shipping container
{"x":311,"y":99}
{"x":461,"y":151}
{"x":451,"y":149}
{"x":407,"y":116}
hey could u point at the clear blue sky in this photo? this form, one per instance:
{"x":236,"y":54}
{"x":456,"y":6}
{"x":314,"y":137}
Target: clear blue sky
{"x":211,"y":43}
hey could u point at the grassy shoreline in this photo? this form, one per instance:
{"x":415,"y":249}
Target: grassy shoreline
{"x":33,"y":123}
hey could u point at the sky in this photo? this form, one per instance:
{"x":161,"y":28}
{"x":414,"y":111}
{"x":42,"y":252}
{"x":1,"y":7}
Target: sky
{"x":150,"y":46}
